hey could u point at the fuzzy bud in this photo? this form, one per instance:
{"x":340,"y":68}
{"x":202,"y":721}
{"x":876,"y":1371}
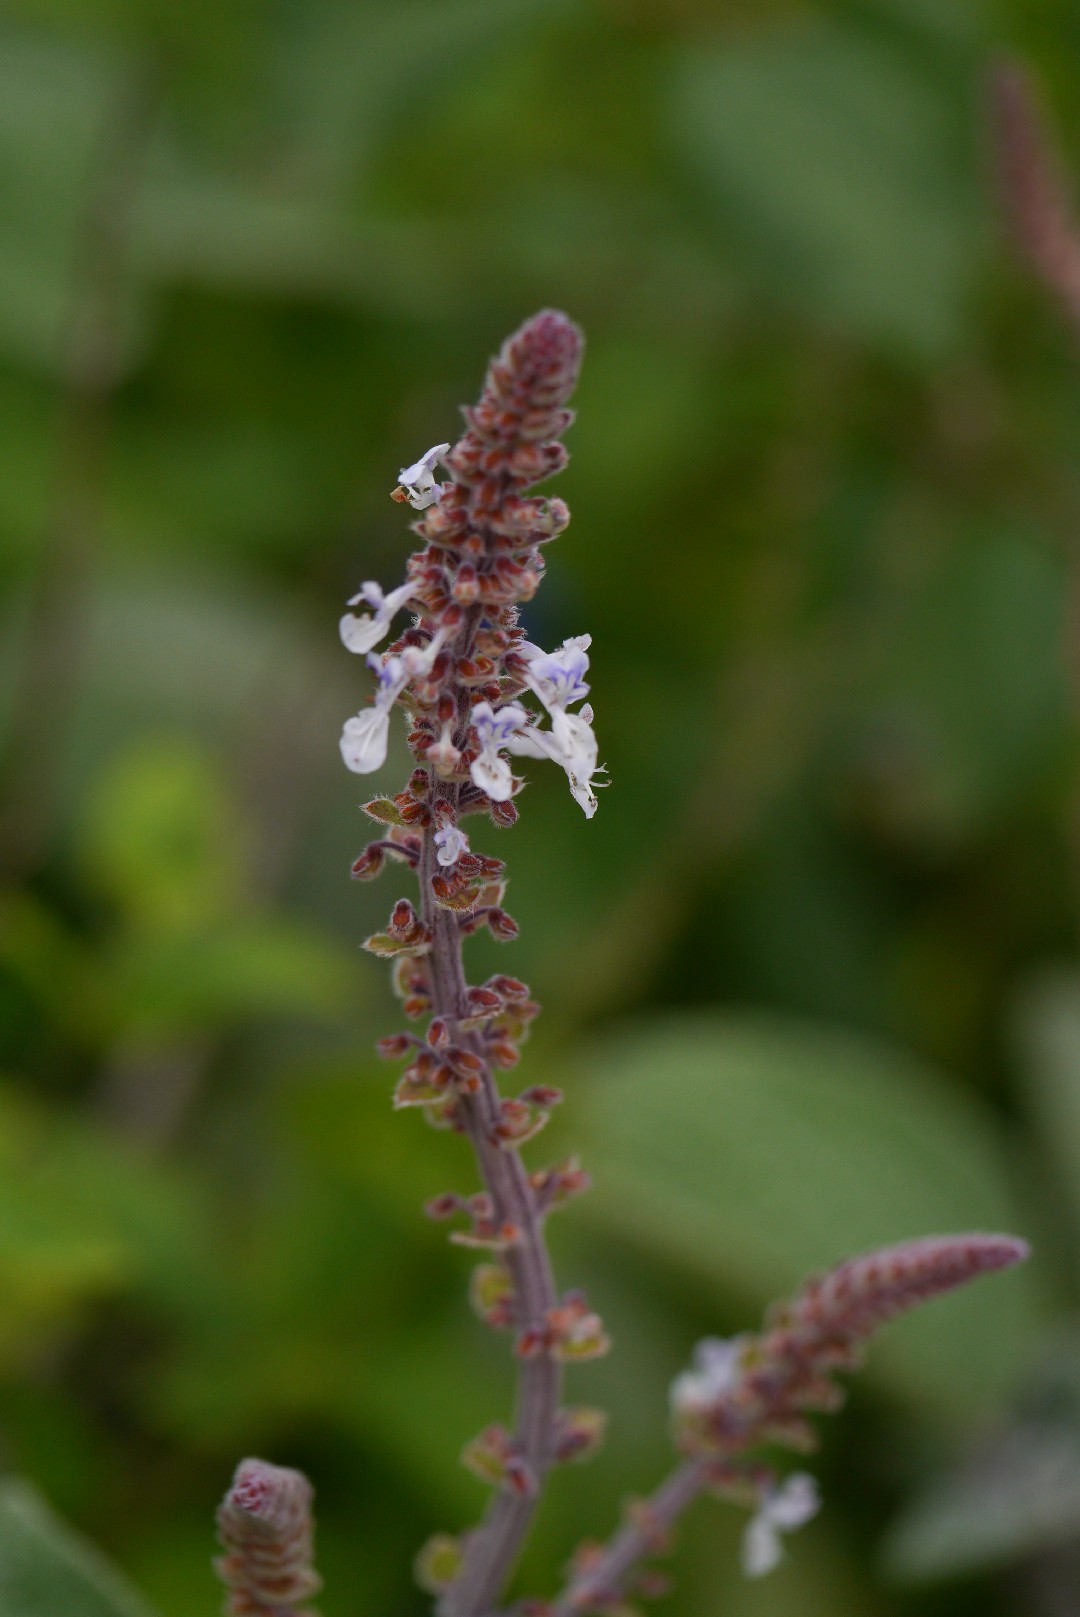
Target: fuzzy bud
{"x":266,"y":1526}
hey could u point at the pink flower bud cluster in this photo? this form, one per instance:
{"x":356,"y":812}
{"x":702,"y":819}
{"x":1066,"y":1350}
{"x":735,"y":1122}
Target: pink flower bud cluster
{"x":756,"y":1387}
{"x":459,"y":668}
{"x":266,"y":1526}
{"x":759,"y":1389}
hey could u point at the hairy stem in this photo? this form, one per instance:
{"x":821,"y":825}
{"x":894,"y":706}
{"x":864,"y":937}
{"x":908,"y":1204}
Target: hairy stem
{"x":493,"y":1548}
{"x":639,"y":1537}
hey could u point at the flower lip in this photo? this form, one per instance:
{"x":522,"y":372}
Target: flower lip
{"x":417,"y":482}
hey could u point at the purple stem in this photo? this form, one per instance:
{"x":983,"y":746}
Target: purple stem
{"x":492,"y":1549}
{"x":639,"y":1537}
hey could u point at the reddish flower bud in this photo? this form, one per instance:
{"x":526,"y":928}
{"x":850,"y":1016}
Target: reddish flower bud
{"x":395,"y":1045}
{"x":266,"y":1527}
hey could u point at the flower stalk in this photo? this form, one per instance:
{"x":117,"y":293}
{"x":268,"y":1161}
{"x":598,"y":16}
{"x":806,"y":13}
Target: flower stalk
{"x":758,"y":1389}
{"x":461,"y":671}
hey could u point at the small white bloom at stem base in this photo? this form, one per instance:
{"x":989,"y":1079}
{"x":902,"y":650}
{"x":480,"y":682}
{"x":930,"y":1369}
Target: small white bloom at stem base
{"x":416,"y":483}
{"x":781,"y":1510}
{"x":451,"y":843}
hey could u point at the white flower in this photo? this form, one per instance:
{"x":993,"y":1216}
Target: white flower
{"x":571,"y":744}
{"x":360,"y":634}
{"x":418,"y":480}
{"x":494,"y":729}
{"x":451,"y":843}
{"x":781,"y":1511}
{"x":715,"y":1372}
{"x":558,"y":678}
{"x":365,"y":738}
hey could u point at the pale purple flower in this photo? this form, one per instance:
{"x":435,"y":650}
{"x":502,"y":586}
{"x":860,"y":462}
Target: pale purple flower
{"x":558,"y":677}
{"x":782,"y":1510}
{"x":451,"y":842}
{"x":360,"y":634}
{"x":418,"y":480}
{"x":494,"y":729}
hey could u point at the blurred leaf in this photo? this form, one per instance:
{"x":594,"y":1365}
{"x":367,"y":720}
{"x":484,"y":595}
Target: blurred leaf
{"x":48,"y":1570}
{"x":243,"y":969}
{"x":56,"y":100}
{"x":1018,"y":1496}
{"x":752,"y":1151}
{"x":973,"y":685}
{"x":50,"y":963}
{"x":82,"y":1217}
{"x":162,"y":839}
{"x":351,"y":73}
{"x":835,"y":165}
{"x":1047,"y":1033}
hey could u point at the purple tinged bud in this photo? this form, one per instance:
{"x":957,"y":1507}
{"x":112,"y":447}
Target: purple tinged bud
{"x":266,"y":1526}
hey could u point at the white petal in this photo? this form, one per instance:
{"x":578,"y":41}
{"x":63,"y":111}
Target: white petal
{"x":492,"y":774}
{"x":761,"y":1547}
{"x":364,"y":741}
{"x":583,"y":796}
{"x":370,"y":593}
{"x":575,"y":736}
{"x":528,"y":743}
{"x":451,"y":842}
{"x":424,"y":468}
{"x":795,"y":1502}
{"x":360,"y":634}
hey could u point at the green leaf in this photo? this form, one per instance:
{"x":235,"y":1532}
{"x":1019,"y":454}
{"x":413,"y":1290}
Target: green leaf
{"x":385,"y":810}
{"x":57,"y":100}
{"x":161,"y":837}
{"x":1016,"y":1497}
{"x":753,"y":1151}
{"x":48,"y":1570}
{"x":243,"y":969}
{"x":1047,"y":1033}
{"x":972,"y":686}
{"x":840,"y":170}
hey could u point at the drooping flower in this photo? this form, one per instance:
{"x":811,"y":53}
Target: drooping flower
{"x":494,"y":729}
{"x":417,"y":482}
{"x":571,"y":744}
{"x":360,"y":634}
{"x":365,"y":737}
{"x":782,"y":1510}
{"x":558,"y":678}
{"x":451,"y":842}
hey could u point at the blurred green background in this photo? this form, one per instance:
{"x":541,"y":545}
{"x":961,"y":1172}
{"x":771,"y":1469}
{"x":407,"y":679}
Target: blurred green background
{"x":810,"y":975}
